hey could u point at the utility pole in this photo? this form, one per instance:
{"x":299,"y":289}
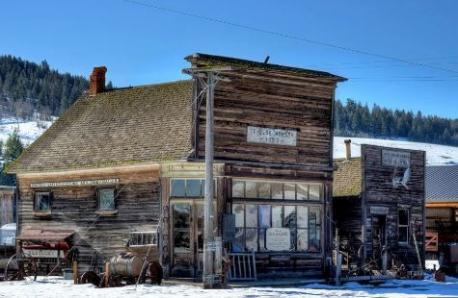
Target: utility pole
{"x":209,"y":243}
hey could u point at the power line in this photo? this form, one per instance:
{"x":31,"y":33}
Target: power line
{"x":287,"y":36}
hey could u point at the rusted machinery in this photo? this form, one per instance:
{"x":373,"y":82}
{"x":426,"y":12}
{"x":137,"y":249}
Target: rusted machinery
{"x":124,"y":269}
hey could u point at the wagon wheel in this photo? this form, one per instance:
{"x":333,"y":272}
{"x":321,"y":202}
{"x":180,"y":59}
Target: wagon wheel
{"x":26,"y":267}
{"x":30,"y":268}
{"x":9,"y":273}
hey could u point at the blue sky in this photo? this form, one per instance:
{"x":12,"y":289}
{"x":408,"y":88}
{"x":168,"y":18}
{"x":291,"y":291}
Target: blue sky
{"x":143,"y":45}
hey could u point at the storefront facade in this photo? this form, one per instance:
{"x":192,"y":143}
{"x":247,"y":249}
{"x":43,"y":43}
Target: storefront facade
{"x":273,"y":167}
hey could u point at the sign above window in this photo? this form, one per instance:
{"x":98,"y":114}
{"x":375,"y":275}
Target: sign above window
{"x":274,"y":136}
{"x":75,"y":183}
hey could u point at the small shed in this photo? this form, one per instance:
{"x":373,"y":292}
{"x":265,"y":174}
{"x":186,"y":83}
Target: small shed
{"x":442,"y":213}
{"x":378,"y":208}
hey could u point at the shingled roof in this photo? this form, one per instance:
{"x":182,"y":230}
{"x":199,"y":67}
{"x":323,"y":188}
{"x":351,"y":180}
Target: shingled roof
{"x":441,"y":184}
{"x":119,"y":127}
{"x":347,"y":177}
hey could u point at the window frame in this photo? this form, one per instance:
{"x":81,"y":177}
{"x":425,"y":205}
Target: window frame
{"x":115,"y":194}
{"x":406,"y":226}
{"x":186,"y":196}
{"x":284,"y":188}
{"x":50,"y":198}
{"x":154,"y":244}
{"x":296,"y":229}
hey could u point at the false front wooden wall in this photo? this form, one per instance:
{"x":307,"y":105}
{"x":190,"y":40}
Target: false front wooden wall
{"x":304,"y":106}
{"x":378,"y":191}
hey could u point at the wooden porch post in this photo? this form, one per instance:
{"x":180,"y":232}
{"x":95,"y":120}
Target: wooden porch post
{"x":208,"y":272}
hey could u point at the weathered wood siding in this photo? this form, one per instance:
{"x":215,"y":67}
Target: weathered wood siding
{"x":74,"y":208}
{"x":273,"y":100}
{"x":378,"y":191}
{"x":304,"y":106}
{"x":7,"y":206}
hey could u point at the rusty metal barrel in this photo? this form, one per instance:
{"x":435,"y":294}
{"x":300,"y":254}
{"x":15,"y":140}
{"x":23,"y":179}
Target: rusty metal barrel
{"x":126,"y":265}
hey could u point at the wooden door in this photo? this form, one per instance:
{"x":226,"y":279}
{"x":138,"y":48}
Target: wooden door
{"x":187,"y":238}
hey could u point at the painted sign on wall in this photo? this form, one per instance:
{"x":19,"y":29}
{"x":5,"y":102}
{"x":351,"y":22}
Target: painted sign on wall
{"x":75,"y":183}
{"x":395,"y":158}
{"x":275,"y":136}
{"x":278,"y":239}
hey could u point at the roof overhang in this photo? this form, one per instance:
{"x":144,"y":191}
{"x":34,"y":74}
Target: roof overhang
{"x":45,"y":235}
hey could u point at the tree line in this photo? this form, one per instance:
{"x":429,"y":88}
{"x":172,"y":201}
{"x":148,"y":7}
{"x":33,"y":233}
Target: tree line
{"x":27,"y":88}
{"x":354,"y":119}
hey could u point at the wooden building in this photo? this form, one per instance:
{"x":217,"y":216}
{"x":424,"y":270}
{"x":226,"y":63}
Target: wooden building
{"x":442,"y":215}
{"x":121,"y":164}
{"x":379,"y":206}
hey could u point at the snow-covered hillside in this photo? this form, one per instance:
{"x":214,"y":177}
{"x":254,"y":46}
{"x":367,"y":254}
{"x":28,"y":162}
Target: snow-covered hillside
{"x":435,"y":154}
{"x":28,"y":131}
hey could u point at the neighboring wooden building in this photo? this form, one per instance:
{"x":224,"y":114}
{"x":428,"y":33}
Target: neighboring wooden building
{"x":379,"y":206}
{"x":442,"y":214}
{"x":7,"y":204}
{"x":120,"y":163}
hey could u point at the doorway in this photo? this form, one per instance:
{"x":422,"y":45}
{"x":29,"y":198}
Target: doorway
{"x":378,"y":237}
{"x":187,"y":227}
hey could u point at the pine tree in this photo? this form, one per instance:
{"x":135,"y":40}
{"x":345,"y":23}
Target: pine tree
{"x":13,"y":147}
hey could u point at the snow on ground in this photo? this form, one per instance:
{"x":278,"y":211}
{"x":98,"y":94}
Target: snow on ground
{"x":28,"y":130}
{"x":57,"y":287}
{"x":435,"y":154}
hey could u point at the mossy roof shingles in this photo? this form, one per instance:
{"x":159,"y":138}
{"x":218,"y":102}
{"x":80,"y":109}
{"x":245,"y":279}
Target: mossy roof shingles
{"x":119,"y":127}
{"x":347,"y":178}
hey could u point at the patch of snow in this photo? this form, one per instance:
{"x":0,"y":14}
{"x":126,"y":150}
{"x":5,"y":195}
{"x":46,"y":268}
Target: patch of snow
{"x":58,"y":287}
{"x":435,"y":154}
{"x":28,"y":131}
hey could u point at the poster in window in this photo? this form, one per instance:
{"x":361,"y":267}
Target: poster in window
{"x":278,"y":239}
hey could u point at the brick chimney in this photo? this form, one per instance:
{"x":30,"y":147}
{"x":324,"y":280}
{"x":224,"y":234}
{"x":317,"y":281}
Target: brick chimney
{"x":347,"y":149}
{"x":97,"y":80}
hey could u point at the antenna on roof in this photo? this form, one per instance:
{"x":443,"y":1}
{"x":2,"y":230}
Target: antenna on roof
{"x":267,"y":59}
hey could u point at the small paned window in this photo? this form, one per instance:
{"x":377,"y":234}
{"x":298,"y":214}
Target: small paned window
{"x":277,"y":191}
{"x":42,"y":202}
{"x":403,"y":226}
{"x":188,"y":188}
{"x":178,"y":188}
{"x":194,"y":188}
{"x":238,"y":189}
{"x":302,"y":191}
{"x":315,"y":192}
{"x":290,"y":191}
{"x":106,"y":199}
{"x":143,"y":238}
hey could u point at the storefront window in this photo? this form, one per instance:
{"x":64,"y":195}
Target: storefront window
{"x":276,"y":190}
{"x":253,"y":220}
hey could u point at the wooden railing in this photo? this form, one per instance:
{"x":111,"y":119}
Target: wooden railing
{"x":242,"y":266}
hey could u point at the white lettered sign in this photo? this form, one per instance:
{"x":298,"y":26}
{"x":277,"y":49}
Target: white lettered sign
{"x":42,"y":253}
{"x":275,"y":136}
{"x":75,"y":183}
{"x":394,"y":158}
{"x":278,"y":239}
